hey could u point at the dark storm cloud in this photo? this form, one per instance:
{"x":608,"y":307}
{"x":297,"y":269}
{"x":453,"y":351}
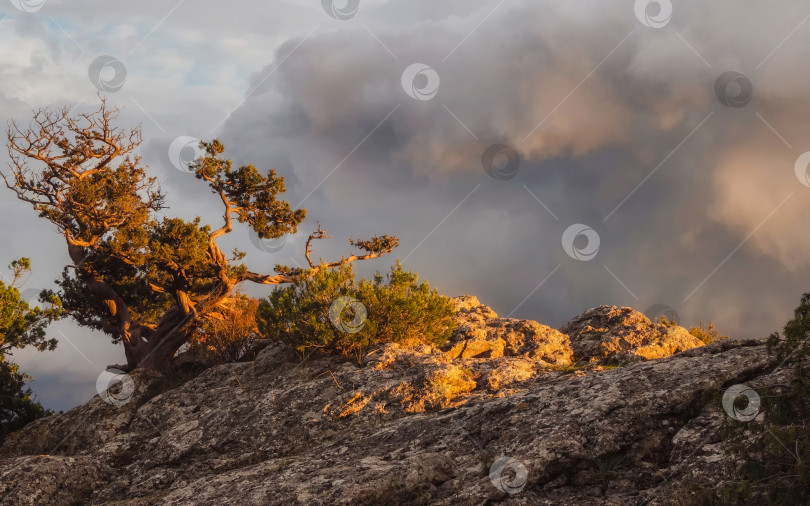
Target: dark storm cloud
{"x":613,"y":99}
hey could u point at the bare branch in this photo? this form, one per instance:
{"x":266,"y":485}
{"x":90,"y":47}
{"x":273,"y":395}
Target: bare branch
{"x":318,"y":234}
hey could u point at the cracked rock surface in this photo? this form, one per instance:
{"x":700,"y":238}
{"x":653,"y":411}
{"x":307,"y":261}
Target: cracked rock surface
{"x":610,"y":409}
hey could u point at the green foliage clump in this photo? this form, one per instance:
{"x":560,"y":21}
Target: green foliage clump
{"x":706,"y":334}
{"x":21,"y":326}
{"x":392,"y":308}
{"x":665,"y":321}
{"x":225,"y":335}
{"x":17,"y":405}
{"x":772,"y":452}
{"x":792,"y":347}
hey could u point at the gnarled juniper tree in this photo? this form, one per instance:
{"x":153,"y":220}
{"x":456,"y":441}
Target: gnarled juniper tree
{"x":146,"y":282}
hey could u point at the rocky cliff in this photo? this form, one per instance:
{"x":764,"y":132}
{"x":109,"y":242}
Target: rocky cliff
{"x":610,"y":409}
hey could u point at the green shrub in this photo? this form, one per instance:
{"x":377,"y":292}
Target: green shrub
{"x":665,"y":321}
{"x":772,"y":452}
{"x":706,"y":334}
{"x":792,"y":347}
{"x":331,"y":312}
{"x":226,"y":334}
{"x":21,"y":326}
{"x":17,"y":405}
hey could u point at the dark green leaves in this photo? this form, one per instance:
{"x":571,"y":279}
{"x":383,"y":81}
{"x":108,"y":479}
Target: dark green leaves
{"x":397,"y":307}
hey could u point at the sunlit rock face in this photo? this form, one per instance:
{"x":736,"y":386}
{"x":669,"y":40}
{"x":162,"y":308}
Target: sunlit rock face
{"x":407,"y":425}
{"x":619,"y":335}
{"x":481,"y":334}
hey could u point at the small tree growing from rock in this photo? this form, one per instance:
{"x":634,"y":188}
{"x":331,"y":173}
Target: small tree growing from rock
{"x":146,"y":281}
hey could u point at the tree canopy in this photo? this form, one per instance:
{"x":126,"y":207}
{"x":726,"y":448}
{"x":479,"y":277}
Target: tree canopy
{"x":20,"y":324}
{"x":145,"y":280}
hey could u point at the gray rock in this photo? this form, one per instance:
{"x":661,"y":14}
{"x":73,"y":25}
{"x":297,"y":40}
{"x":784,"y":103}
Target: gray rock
{"x":619,"y":335}
{"x":407,"y":426}
{"x":481,"y":334}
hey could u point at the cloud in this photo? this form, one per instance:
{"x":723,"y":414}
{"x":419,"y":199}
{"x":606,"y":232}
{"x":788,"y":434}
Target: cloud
{"x":597,"y":105}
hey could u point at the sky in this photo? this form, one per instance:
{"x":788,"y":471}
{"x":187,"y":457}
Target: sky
{"x":545,"y":156}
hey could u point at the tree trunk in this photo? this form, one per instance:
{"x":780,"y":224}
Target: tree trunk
{"x":157,"y":353}
{"x":155,"y":349}
{"x":158,"y":361}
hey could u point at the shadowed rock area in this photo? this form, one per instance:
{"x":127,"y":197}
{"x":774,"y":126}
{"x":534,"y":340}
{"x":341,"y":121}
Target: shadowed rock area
{"x":610,"y":409}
